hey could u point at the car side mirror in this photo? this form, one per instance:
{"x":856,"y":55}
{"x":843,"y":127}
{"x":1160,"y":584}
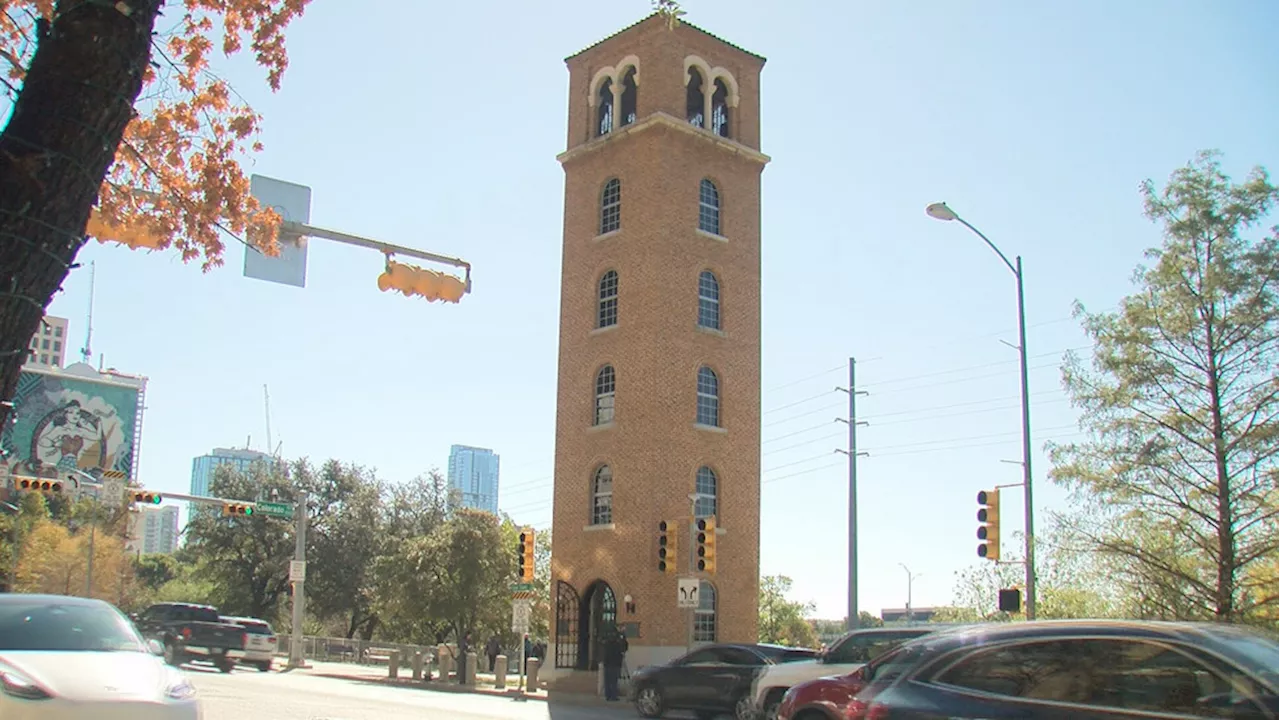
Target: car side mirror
{"x":155,"y":647}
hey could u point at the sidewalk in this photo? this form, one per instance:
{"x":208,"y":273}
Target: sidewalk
{"x":377,"y":674}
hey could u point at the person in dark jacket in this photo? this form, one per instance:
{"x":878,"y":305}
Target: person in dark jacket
{"x":613,"y":646}
{"x":492,"y":649}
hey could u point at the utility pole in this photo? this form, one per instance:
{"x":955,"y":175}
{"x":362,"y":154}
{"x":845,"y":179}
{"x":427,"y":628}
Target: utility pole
{"x":851,"y":622}
{"x":88,"y":577}
{"x":296,"y":658}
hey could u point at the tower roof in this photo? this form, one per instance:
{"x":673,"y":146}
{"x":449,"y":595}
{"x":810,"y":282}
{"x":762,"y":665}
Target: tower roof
{"x":652,"y":16}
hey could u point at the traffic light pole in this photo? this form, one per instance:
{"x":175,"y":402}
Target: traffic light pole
{"x":302,"y":230}
{"x":851,"y":621}
{"x":296,"y":655}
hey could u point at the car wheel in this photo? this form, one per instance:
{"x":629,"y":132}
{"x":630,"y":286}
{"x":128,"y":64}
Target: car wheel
{"x":744,"y":709}
{"x":772,"y":703}
{"x":171,"y":656}
{"x":649,"y":701}
{"x":226,"y":665}
{"x":264,"y":666}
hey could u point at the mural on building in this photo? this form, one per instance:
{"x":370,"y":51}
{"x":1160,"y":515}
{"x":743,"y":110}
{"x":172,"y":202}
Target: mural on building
{"x":62,"y":421}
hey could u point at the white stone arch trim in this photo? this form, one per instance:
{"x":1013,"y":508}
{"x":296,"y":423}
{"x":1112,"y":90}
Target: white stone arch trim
{"x":709,"y":77}
{"x":616,"y":74}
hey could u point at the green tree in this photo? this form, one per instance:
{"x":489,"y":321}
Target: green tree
{"x":784,"y":621}
{"x":455,"y":579}
{"x":343,"y":542}
{"x":1179,"y":472}
{"x":245,"y":560}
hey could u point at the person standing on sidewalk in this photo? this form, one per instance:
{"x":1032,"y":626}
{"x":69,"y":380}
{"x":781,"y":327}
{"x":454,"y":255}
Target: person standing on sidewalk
{"x":491,"y":650}
{"x":614,"y":647}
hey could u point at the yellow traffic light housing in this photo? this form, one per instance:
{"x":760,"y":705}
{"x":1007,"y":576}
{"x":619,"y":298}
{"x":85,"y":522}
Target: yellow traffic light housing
{"x":524,"y":555}
{"x":668,"y":546}
{"x":989,"y":524}
{"x":414,"y":280}
{"x":147,"y":498}
{"x":707,"y":545}
{"x":237,"y":510}
{"x":46,"y":487}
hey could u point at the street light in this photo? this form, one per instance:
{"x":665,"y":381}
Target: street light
{"x":910,"y":577}
{"x":940,"y":211}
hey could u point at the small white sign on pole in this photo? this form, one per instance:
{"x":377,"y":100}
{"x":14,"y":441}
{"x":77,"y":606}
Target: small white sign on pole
{"x":687,"y":593}
{"x":521,"y":609}
{"x":297,"y":571}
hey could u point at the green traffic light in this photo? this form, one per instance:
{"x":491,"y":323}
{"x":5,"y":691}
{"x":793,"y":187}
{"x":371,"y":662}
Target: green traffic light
{"x":156,"y":499}
{"x":248,"y":511}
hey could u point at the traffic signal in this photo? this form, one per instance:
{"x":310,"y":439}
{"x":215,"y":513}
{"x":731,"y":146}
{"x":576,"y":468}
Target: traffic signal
{"x":707,"y":544}
{"x":147,"y":498}
{"x":524,"y":555}
{"x":133,"y":236}
{"x":413,"y":280}
{"x":237,"y":510}
{"x":47,"y":487}
{"x":668,"y":544}
{"x":989,"y":524}
{"x":1010,"y":600}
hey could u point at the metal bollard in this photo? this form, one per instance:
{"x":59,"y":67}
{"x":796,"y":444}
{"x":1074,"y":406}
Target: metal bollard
{"x":500,"y":672}
{"x":393,"y":664}
{"x":417,"y":664}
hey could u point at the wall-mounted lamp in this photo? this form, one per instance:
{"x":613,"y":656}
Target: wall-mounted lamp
{"x":629,"y":604}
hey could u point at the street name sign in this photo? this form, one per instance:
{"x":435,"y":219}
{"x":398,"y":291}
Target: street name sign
{"x":275,"y":509}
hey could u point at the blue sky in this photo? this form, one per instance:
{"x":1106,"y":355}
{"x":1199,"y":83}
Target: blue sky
{"x":437,"y":127}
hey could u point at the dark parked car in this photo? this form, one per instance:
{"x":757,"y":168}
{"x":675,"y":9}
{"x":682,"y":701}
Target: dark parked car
{"x":1076,"y":670}
{"x":712,"y":680}
{"x":192,"y":632}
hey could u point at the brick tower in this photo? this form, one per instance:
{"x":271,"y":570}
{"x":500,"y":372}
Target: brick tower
{"x":658,"y":404}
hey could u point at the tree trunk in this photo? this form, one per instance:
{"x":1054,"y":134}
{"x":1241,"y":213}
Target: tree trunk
{"x":66,"y":126}
{"x":1226,"y":581}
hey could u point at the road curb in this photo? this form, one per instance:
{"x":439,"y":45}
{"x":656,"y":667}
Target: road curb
{"x":448,"y":687}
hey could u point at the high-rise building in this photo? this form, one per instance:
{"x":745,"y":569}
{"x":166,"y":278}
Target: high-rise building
{"x":153,"y":530}
{"x":240,"y":460}
{"x":473,"y":475}
{"x":658,"y":404}
{"x":48,"y":346}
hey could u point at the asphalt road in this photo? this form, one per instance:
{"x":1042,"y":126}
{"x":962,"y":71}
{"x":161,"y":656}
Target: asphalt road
{"x":307,"y":695}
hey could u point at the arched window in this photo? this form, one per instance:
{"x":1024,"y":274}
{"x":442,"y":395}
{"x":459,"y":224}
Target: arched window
{"x":694,"y":109}
{"x":602,"y":496}
{"x":708,"y":397}
{"x":708,"y":207}
{"x":720,"y":109}
{"x":608,"y":295}
{"x":604,"y":108}
{"x":708,"y":300}
{"x":629,"y":97}
{"x":704,"y":616}
{"x":704,"y":485}
{"x":604,"y":395}
{"x":611,"y":206}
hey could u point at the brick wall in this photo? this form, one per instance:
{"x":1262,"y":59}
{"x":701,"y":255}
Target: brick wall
{"x":653,"y":445}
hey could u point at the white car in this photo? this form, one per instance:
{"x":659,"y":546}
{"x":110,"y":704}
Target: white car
{"x":70,"y":658}
{"x":260,"y":641}
{"x":841,"y":657}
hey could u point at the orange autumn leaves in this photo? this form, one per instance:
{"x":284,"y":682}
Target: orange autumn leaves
{"x":177,"y":175}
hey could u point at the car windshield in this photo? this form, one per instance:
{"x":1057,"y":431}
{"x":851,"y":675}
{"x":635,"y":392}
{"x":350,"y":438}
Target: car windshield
{"x":66,"y":628}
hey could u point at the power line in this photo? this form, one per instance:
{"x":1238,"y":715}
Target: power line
{"x":923,"y":443}
{"x":784,"y":421}
{"x":967,"y":413}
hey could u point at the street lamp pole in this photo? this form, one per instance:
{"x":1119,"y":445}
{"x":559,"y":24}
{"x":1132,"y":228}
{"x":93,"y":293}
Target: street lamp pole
{"x":910,"y":578}
{"x":940,"y":211}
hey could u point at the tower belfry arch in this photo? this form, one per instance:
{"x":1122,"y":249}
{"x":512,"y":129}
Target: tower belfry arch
{"x":659,"y":369}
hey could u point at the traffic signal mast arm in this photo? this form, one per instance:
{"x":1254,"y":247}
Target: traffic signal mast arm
{"x":302,"y":230}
